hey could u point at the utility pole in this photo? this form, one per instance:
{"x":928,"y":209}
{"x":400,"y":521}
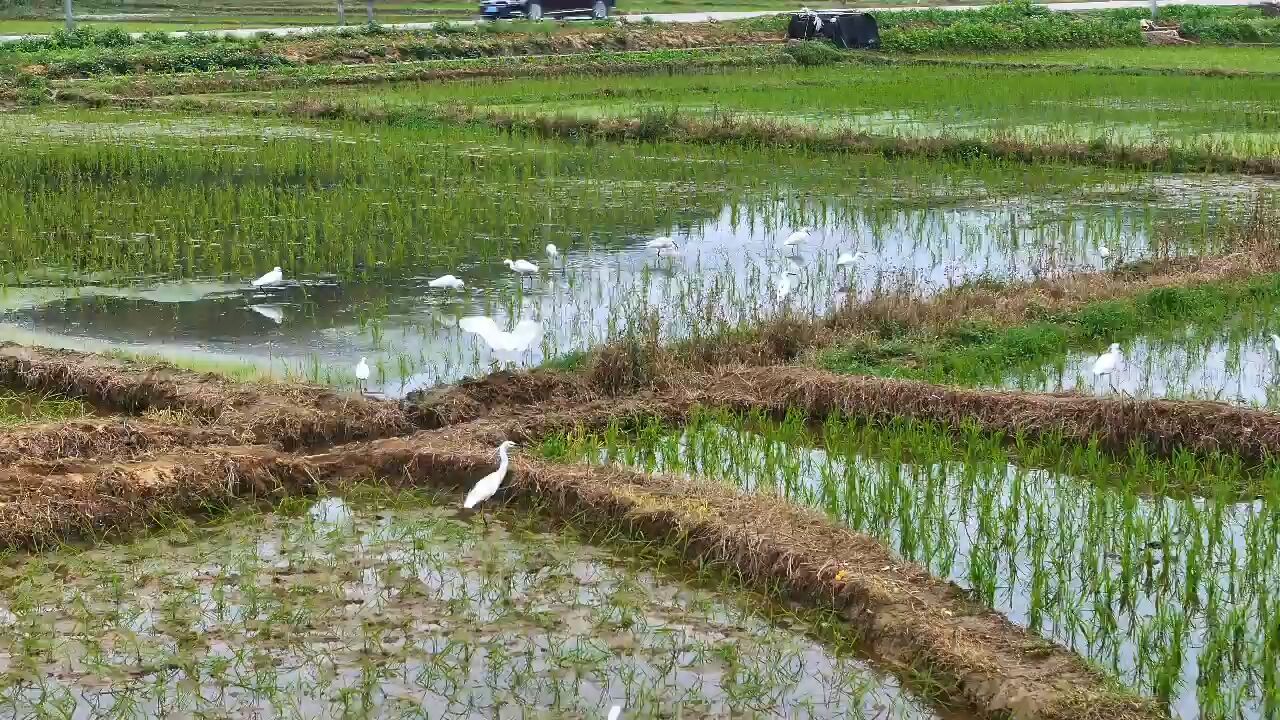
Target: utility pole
{"x":368,"y":9}
{"x":342,"y":13}
{"x":71,"y":18}
{"x":1155,"y":9}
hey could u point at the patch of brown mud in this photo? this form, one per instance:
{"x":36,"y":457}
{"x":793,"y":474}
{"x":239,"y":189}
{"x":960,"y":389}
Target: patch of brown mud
{"x":98,"y":439}
{"x":900,"y":612}
{"x":475,"y":397}
{"x":291,"y":415}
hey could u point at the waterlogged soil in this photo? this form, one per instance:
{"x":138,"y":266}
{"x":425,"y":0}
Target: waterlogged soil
{"x":186,"y":211}
{"x":399,"y":606}
{"x":1169,"y":592}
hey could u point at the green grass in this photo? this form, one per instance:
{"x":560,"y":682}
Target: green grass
{"x":983,"y":354}
{"x":1198,"y":57}
{"x":18,"y":409}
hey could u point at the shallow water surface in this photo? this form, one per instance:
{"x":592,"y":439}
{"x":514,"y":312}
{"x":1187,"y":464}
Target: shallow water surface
{"x":396,"y":607}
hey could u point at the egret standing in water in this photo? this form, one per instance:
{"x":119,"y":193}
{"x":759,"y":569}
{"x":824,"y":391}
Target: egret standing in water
{"x":659,"y":244}
{"x":1275,"y":343}
{"x":1106,"y":363}
{"x":489,"y":484}
{"x":522,"y":268}
{"x":552,"y":251}
{"x":362,"y":373}
{"x":447,"y":281}
{"x":798,"y":238}
{"x":615,"y":712}
{"x":848,"y":260}
{"x":1105,"y":253}
{"x":275,"y":277}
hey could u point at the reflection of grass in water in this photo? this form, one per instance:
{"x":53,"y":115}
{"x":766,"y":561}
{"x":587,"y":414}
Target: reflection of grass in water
{"x":28,"y":409}
{"x":1161,"y":571}
{"x":390,"y":604}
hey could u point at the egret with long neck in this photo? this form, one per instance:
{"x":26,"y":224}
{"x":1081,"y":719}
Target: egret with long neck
{"x":489,"y":484}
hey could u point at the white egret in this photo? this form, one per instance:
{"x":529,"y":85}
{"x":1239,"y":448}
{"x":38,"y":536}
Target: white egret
{"x":1106,"y":362}
{"x":270,"y":312}
{"x":615,"y":712}
{"x":848,"y":259}
{"x":552,"y":251}
{"x":1275,"y":342}
{"x":489,"y":484}
{"x":275,"y":277}
{"x":447,"y":281}
{"x":661,"y":243}
{"x":1104,"y":252}
{"x":518,"y":340}
{"x":362,"y":372}
{"x":797,"y":238}
{"x":522,"y":267}
{"x":787,"y":282}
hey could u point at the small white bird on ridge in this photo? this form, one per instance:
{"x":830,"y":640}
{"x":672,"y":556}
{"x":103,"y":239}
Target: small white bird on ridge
{"x":489,"y":484}
{"x":275,"y":277}
{"x":447,"y":281}
{"x":661,"y":243}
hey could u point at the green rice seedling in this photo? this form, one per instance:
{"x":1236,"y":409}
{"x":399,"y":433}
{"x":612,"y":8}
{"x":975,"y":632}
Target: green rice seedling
{"x":1162,"y":572}
{"x":391,"y":605}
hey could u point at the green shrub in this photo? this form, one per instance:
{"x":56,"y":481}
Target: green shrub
{"x":814,"y":52}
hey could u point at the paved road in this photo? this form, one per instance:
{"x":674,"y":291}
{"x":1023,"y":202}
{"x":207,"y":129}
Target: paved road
{"x":682,"y":17}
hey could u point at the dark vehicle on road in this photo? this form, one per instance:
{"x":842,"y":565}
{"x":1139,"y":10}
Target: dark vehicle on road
{"x":538,"y":9}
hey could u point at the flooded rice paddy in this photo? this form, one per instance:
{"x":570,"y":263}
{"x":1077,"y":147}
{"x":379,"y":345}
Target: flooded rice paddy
{"x":1232,"y":116}
{"x":387,"y":605}
{"x":1163,"y":572}
{"x":139,"y":233}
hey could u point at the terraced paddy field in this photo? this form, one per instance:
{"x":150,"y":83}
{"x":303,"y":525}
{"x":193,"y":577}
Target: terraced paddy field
{"x":805,"y":409}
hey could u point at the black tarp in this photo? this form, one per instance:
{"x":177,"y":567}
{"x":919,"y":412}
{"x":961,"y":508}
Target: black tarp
{"x":846,"y":30}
